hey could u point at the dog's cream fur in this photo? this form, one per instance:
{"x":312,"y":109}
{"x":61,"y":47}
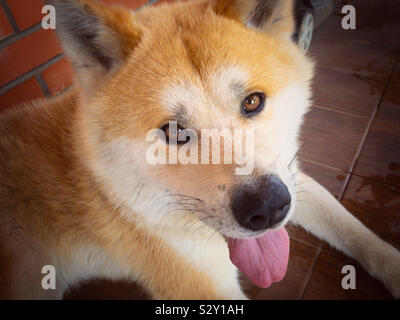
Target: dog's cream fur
{"x":77,"y":192}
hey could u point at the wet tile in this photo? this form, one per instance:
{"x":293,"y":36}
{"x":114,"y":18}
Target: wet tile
{"x":326,"y":281}
{"x":380,"y":156}
{"x":377,"y":205}
{"x":347,"y":92}
{"x":331,"y":138}
{"x":353,"y":56}
{"x":332,"y":179}
{"x":390,"y":108}
{"x":300,"y":261}
{"x":106,"y":290}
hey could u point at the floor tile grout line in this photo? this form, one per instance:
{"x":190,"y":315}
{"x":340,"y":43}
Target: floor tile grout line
{"x":367,"y":131}
{"x":345,"y":172}
{"x":305,"y":242}
{"x":321,"y":164}
{"x":344,"y":187}
{"x":345,"y":72}
{"x":309,"y":274}
{"x":351,"y":114}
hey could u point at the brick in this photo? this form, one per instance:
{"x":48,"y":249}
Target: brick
{"x":132,"y":4}
{"x":58,"y":76}
{"x":26,"y":91}
{"x":26,"y":12}
{"x":5,"y":27}
{"x":31,"y":51}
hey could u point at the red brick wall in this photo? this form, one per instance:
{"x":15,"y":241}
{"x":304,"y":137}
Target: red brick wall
{"x":32,"y":63}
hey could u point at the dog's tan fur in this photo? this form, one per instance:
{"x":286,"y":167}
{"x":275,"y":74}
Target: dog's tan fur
{"x":76,"y":191}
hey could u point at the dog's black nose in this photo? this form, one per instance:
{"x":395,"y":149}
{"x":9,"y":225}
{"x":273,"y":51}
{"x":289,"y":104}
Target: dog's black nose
{"x":263,"y":206}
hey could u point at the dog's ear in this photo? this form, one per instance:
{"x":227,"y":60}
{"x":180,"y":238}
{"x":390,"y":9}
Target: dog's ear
{"x":97,"y":38}
{"x":271,"y":16}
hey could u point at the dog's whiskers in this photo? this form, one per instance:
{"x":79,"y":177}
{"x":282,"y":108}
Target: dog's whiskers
{"x":201,"y":221}
{"x":292,"y":161}
{"x":138,"y":190}
{"x":182,"y":202}
{"x":279,"y":155}
{"x":186,"y":196}
{"x":296,"y":173}
{"x":213,"y":234}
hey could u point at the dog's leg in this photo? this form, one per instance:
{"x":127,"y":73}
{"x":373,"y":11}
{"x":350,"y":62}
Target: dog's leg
{"x":22,"y":259}
{"x":168,"y":264}
{"x":320,"y":213}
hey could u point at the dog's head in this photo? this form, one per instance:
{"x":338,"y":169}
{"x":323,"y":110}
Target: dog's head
{"x":181,"y":68}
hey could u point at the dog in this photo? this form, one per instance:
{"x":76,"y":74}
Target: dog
{"x":78,"y":193}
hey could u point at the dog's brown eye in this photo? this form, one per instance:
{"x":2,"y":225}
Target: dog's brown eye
{"x":173,"y":132}
{"x":253,"y":104}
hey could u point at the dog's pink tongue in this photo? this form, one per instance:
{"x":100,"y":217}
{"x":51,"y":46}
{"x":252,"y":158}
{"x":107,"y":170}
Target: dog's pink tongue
{"x":264,"y":259}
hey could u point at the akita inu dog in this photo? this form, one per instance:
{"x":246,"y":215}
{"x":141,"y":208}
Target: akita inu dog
{"x":76,"y":189}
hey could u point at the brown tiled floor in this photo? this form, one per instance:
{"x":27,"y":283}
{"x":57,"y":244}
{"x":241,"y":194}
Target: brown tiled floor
{"x":326,"y":278}
{"x":389,"y":109}
{"x":324,"y":129}
{"x":380,"y":157}
{"x":351,"y":146}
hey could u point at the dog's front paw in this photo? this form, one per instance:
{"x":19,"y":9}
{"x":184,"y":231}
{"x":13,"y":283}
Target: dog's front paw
{"x":394,"y":284}
{"x":382,"y":261}
{"x":389,"y":271}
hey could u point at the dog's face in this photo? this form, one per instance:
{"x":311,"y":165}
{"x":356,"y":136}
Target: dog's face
{"x":223,"y":65}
